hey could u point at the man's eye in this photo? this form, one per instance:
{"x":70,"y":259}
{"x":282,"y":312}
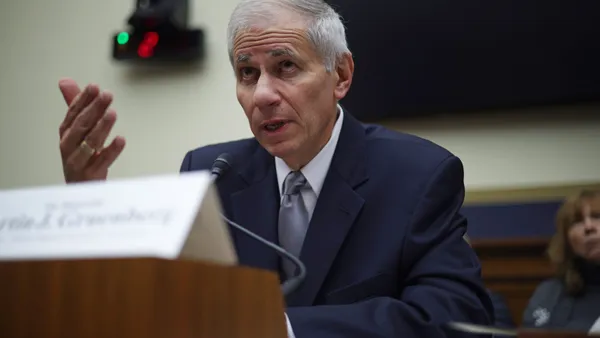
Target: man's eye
{"x":288,"y":65}
{"x":246,"y":72}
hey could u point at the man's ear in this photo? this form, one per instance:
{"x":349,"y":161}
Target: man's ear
{"x":345,"y":71}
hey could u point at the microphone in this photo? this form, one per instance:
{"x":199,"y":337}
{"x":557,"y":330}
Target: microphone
{"x":220,"y":166}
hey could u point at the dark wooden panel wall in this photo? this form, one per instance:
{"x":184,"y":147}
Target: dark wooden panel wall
{"x":514,"y":268}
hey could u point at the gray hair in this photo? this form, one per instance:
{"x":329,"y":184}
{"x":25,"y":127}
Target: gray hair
{"x":325,"y":29}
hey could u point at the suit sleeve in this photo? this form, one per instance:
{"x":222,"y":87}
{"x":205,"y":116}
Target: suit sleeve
{"x":186,"y":163}
{"x":442,"y":282}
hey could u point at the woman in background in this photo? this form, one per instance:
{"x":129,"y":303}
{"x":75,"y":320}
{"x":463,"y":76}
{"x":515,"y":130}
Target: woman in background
{"x":571,"y":301}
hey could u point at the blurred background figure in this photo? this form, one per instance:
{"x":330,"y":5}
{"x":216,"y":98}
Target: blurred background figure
{"x":502,"y":313}
{"x":571,"y":300}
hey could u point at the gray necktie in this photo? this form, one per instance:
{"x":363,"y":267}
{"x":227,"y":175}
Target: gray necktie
{"x":293,"y":218}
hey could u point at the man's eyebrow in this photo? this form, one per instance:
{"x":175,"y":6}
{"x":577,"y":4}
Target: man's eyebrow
{"x":277,"y":52}
{"x":243,"y":58}
{"x":282,"y":52}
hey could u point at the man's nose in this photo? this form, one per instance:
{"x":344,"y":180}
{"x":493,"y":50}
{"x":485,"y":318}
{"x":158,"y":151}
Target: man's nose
{"x":265,"y":94}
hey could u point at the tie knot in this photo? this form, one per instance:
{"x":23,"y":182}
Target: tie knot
{"x":294,"y":182}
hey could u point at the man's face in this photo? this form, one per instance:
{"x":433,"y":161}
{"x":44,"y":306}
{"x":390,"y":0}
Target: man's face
{"x":584,"y":236}
{"x":287,"y":95}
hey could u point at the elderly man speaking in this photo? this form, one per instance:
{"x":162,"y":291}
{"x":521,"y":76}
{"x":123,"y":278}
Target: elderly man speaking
{"x":373,"y":214}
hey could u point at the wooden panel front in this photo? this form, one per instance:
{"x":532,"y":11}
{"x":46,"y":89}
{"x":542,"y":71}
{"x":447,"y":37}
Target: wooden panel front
{"x":138,"y":298}
{"x":514,"y":268}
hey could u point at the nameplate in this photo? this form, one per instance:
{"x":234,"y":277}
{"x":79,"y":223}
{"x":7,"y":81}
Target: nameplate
{"x":595,"y":329}
{"x":175,"y":216}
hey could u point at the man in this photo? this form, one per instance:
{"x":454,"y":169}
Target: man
{"x":372,"y":213}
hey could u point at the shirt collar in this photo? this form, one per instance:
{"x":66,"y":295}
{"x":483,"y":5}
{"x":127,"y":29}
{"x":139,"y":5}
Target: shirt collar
{"x":316,"y":170}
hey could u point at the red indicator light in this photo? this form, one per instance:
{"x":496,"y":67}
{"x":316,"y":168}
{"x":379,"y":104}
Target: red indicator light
{"x":145,"y":51}
{"x":146,"y":47}
{"x":151,"y":38}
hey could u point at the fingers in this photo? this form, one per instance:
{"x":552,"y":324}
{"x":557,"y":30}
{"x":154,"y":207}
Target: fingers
{"x":84,"y":122}
{"x":106,"y":158}
{"x":94,"y":142}
{"x":84,"y":131}
{"x":99,"y":133}
{"x":69,"y":90}
{"x":77,"y":104}
{"x":79,"y":158}
{"x":96,"y":166}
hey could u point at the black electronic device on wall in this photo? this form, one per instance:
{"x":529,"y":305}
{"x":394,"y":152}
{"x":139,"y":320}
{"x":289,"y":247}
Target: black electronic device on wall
{"x":158,"y":31}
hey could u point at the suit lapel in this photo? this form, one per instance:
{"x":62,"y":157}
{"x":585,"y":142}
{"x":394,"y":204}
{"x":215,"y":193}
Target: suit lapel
{"x":256,"y":208}
{"x":337,"y":207}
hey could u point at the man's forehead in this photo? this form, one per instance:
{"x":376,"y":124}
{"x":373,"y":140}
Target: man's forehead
{"x":273,"y":42}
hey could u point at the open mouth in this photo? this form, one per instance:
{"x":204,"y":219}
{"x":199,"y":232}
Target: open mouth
{"x":272,"y":127}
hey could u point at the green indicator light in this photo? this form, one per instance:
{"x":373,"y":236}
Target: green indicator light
{"x":122,"y":38}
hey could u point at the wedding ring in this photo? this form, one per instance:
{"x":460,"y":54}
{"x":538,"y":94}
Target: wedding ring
{"x":86,"y":148}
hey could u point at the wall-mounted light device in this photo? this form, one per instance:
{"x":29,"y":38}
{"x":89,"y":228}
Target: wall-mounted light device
{"x":158,"y":31}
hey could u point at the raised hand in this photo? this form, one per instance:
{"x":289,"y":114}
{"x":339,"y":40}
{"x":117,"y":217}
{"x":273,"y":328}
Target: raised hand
{"x":84,"y":131}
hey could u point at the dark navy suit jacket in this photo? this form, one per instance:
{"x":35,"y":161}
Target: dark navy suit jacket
{"x":384,"y":251}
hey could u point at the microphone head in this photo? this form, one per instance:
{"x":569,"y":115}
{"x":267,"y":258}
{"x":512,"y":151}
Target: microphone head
{"x":221,"y":164}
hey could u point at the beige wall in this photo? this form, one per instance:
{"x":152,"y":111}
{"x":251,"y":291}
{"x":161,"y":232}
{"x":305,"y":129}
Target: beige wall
{"x":165,"y":113}
{"x":520,"y":148}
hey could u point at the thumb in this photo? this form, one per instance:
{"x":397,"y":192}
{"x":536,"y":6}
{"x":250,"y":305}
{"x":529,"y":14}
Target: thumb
{"x":69,"y":90}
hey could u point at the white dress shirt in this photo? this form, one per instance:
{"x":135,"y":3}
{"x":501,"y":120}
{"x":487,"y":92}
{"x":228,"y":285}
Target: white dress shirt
{"x":314,"y":172}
